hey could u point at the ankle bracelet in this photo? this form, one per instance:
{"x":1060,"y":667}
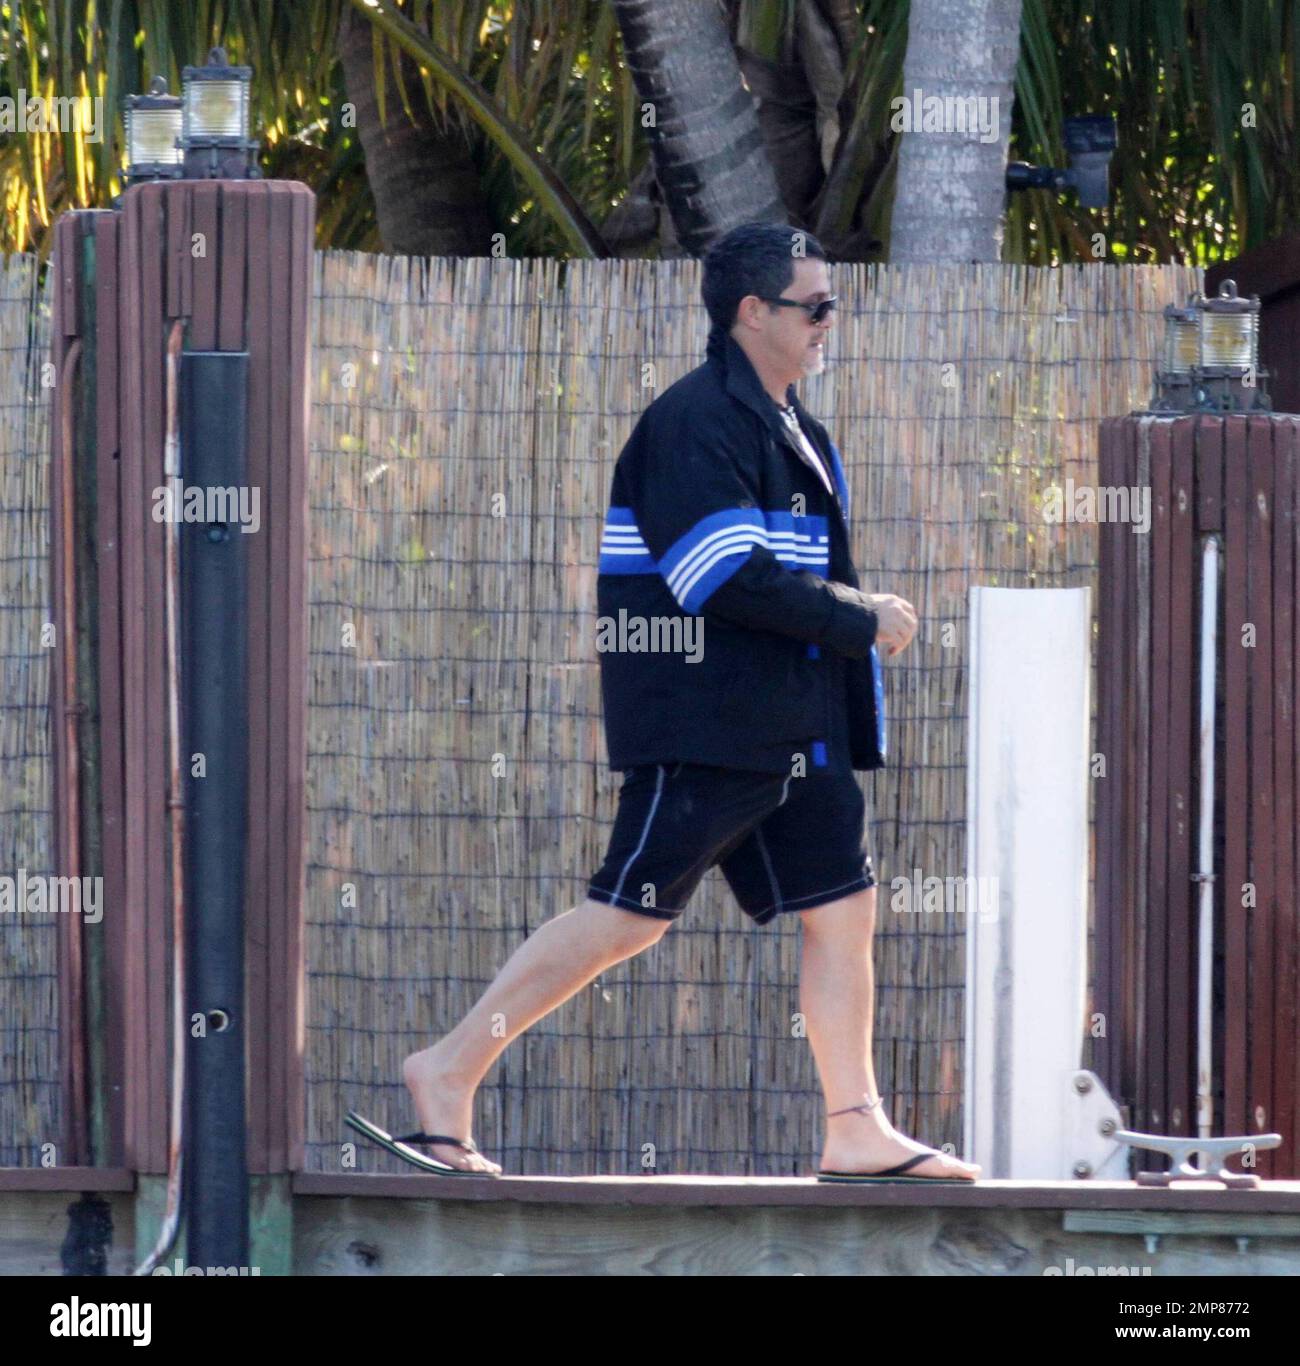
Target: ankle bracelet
{"x":870,"y":1105}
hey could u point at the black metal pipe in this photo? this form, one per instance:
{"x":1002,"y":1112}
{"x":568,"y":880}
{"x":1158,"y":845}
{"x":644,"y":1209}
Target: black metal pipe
{"x":214,"y":688}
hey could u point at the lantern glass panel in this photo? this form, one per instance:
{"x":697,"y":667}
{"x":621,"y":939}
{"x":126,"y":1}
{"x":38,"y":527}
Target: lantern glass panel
{"x":1227,"y":339}
{"x":1182,"y":343}
{"x":151,"y":136}
{"x":216,"y":109}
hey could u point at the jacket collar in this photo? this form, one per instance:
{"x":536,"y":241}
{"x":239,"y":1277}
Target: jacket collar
{"x":741,"y":381}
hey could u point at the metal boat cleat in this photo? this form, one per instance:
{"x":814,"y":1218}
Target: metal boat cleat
{"x":1100,"y":1144}
{"x":1216,"y":1151}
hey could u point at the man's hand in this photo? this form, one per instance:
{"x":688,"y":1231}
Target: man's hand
{"x":895,"y":621}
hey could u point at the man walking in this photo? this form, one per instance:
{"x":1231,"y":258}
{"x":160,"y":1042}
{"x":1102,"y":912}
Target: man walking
{"x":727,"y":528}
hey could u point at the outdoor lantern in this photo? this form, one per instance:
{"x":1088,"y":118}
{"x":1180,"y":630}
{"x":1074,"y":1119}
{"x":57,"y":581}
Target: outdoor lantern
{"x":214,"y":131}
{"x":1211,"y":357}
{"x":153,"y":130}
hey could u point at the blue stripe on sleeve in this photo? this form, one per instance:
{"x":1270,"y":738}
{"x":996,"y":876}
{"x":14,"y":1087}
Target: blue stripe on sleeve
{"x":622,"y":551}
{"x":799,"y":542}
{"x":710,"y":553}
{"x":714,"y":548}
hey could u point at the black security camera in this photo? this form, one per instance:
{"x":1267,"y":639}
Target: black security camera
{"x":1091,"y":140}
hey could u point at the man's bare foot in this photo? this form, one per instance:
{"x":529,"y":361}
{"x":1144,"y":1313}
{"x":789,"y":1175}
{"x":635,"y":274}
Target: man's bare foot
{"x":862,"y":1142}
{"x":445,"y":1105}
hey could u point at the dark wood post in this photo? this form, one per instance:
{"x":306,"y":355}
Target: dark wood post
{"x":1234,"y":477}
{"x":232,"y":260}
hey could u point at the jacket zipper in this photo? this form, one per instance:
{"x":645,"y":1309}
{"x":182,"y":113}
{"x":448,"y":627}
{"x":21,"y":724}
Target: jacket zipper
{"x":820,"y":757}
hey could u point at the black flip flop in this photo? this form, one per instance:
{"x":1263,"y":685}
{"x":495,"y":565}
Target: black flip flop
{"x":893,"y":1176}
{"x":398,"y":1147}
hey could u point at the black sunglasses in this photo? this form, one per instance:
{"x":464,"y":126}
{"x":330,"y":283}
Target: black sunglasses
{"x":816,"y":312}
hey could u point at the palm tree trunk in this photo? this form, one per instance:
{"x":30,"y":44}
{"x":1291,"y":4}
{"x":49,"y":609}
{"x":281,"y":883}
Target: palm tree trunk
{"x":429,"y":198}
{"x":951,"y":191}
{"x":707,"y":147}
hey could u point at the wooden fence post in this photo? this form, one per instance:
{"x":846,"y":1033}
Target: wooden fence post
{"x":232,"y":260}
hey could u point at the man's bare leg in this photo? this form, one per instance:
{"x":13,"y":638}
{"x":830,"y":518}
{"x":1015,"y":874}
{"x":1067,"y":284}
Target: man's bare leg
{"x":837,"y":997}
{"x":544,"y":971}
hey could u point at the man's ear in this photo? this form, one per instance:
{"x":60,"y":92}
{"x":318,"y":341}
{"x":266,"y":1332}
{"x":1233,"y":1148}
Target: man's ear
{"x":747,"y":310}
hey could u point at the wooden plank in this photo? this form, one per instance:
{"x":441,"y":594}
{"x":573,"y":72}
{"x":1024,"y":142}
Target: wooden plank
{"x":1295,"y":755}
{"x":87,"y":1026}
{"x":204,"y":217}
{"x":1209,"y":474}
{"x":69,"y":1179}
{"x":106,"y":359}
{"x":291,"y":971}
{"x":1132,"y":610}
{"x":1236,"y":798}
{"x":157,"y":944}
{"x":276,"y":527}
{"x":261,"y":389}
{"x":230,"y":306}
{"x":1259,"y":662}
{"x":1110,"y":744}
{"x":1286,"y":983}
{"x":1157,"y":806}
{"x":179,"y":264}
{"x":1183,"y":732}
{"x":713,"y":1191}
{"x":67,"y":279}
{"x":1183,"y":1223}
{"x":1210,"y":520}
{"x":112,"y":719}
{"x":58,"y":754}
{"x":135,"y":816}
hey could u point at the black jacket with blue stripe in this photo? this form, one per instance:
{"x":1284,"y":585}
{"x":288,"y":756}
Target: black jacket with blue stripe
{"x":716,"y":515}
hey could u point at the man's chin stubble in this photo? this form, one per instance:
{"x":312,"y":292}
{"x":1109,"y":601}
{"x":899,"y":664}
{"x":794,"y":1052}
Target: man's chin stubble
{"x":813,"y":365}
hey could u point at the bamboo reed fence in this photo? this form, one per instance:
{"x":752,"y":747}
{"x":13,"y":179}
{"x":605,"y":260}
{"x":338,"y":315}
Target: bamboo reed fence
{"x":30,"y":1101}
{"x":466,"y":419}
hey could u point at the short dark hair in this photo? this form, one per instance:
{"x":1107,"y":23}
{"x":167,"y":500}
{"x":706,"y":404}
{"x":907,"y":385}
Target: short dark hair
{"x":755,"y":258}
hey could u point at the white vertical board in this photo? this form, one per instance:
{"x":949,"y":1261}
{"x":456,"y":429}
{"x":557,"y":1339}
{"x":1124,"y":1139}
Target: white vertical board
{"x":1027,"y":828}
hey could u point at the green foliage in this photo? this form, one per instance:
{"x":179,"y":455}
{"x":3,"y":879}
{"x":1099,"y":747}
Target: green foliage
{"x":555,"y":69}
{"x":1189,"y":182}
{"x":1192,"y":181}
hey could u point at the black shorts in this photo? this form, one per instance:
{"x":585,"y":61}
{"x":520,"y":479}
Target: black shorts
{"x":783,"y":843}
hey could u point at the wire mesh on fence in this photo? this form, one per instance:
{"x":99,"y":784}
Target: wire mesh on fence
{"x":30,"y":1101}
